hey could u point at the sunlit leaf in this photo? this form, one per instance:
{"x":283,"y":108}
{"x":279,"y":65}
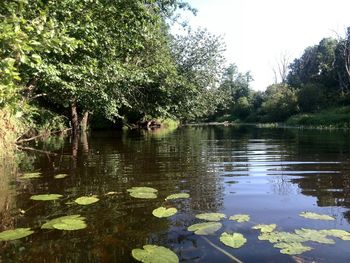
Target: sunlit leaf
{"x":211,"y":216}
{"x":155,"y":254}
{"x":235,"y":240}
{"x":177,"y":196}
{"x":292,"y":248}
{"x":86,"y":200}
{"x":265,"y":228}
{"x":164,"y":212}
{"x":50,"y":224}
{"x":60,"y":176}
{"x":143,"y":192}
{"x":277,"y":237}
{"x":70,"y":224}
{"x":311,"y":215}
{"x":339,"y":233}
{"x":313,"y":235}
{"x":15,"y":234}
{"x":30,"y":175}
{"x":240,"y":218}
{"x":112,"y":193}
{"x":46,"y":197}
{"x":205,"y":228}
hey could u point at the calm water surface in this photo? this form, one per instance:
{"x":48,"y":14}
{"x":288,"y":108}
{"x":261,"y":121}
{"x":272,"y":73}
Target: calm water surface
{"x":272,"y":175}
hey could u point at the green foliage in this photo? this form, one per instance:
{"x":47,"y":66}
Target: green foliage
{"x":293,"y":248}
{"x":154,"y":254}
{"x":234,"y":240}
{"x":205,"y":228}
{"x":71,"y":222}
{"x":311,"y":215}
{"x":46,"y":197}
{"x":265,"y":228}
{"x":86,"y":200}
{"x":211,"y":216}
{"x":15,"y":234}
{"x":30,"y":175}
{"x":60,"y":176}
{"x":143,"y":192}
{"x":177,"y":196}
{"x":240,"y":218}
{"x":164,"y":212}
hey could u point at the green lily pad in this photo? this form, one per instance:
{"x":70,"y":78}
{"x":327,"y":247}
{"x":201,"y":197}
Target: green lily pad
{"x":86,"y":200}
{"x":60,"y":176}
{"x":205,"y":228}
{"x":281,"y":237}
{"x":342,"y":234}
{"x":30,"y":175}
{"x":211,"y":216}
{"x":50,"y":224}
{"x":265,"y":228}
{"x":112,"y":193}
{"x":143,"y":192}
{"x":240,"y":218}
{"x":70,"y":224}
{"x":154,"y":254}
{"x":46,"y":197}
{"x":15,"y":234}
{"x":164,"y":212}
{"x":235,"y":240}
{"x":313,"y":235}
{"x":178,"y":196}
{"x":311,"y":215}
{"x":292,"y":248}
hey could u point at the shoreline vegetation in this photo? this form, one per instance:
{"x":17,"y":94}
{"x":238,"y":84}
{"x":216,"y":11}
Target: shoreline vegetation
{"x":64,"y":67}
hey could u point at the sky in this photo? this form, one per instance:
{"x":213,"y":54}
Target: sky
{"x":257,"y":32}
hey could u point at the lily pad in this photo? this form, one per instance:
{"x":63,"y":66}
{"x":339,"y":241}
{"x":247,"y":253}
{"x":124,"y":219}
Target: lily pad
{"x":15,"y":234}
{"x":50,"y":224}
{"x":60,"y":176}
{"x":143,"y":192}
{"x":240,"y":218}
{"x":164,"y":212}
{"x":292,"y":248}
{"x":178,"y":196}
{"x":265,"y":228}
{"x":211,"y":216}
{"x":205,"y":228}
{"x":86,"y":200}
{"x":281,"y":237}
{"x":30,"y":175}
{"x":235,"y":240}
{"x":46,"y":197}
{"x":311,"y":215}
{"x":154,"y":254}
{"x":339,"y":233}
{"x":314,"y":235}
{"x":112,"y":193}
{"x":70,"y":224}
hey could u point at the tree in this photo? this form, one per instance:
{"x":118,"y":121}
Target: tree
{"x":280,"y":70}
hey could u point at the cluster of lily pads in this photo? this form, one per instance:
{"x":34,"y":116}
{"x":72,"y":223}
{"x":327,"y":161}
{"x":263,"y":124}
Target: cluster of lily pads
{"x":291,"y":243}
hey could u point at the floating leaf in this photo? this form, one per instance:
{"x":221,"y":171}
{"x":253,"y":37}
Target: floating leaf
{"x":235,"y":240}
{"x":30,"y":175}
{"x":50,"y":224}
{"x":154,"y":254}
{"x":70,"y":224}
{"x":311,"y":215}
{"x":143,"y":192}
{"x":313,"y":235}
{"x":86,"y":200}
{"x":112,"y":193}
{"x":164,"y":212}
{"x":205,"y":228}
{"x":265,"y":228}
{"x":240,"y":218}
{"x":46,"y":197}
{"x":178,"y":196}
{"x":15,"y":234}
{"x":342,"y":234}
{"x":211,"y":216}
{"x":292,"y":248}
{"x":278,"y":237}
{"x":60,"y":176}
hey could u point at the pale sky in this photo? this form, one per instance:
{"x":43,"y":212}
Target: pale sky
{"x":256,"y":32}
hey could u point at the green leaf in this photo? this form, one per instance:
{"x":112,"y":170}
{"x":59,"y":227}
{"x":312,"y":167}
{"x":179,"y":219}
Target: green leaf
{"x":50,"y":224}
{"x":292,"y":248}
{"x":86,"y":200}
{"x":70,"y":224}
{"x":265,"y":228}
{"x":177,"y":196}
{"x":205,"y":228}
{"x":60,"y":176}
{"x":15,"y":234}
{"x":211,"y":216}
{"x":240,"y":218}
{"x":30,"y":175}
{"x":143,"y":192}
{"x":164,"y":212}
{"x":235,"y":240}
{"x":311,"y":215}
{"x":46,"y":197}
{"x":154,"y":254}
{"x":313,"y":235}
{"x":277,"y":237}
{"x":342,"y":234}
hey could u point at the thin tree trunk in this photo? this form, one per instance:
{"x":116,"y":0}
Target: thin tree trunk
{"x":84,"y":121}
{"x":74,"y":118}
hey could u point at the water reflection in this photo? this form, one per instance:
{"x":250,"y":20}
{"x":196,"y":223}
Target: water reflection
{"x":272,"y":175}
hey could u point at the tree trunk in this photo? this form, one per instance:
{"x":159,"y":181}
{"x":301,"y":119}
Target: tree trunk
{"x":74,"y":118}
{"x":84,"y":121}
